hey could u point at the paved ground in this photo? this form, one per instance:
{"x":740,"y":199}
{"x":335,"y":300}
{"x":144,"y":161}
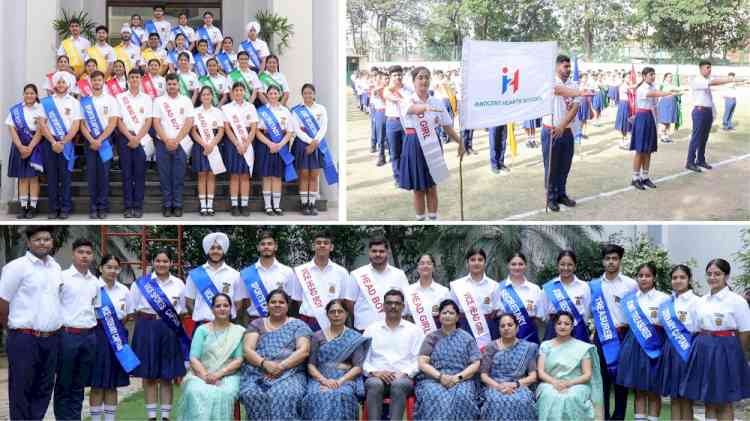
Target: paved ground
{"x":332,"y":214}
{"x":599,"y":179}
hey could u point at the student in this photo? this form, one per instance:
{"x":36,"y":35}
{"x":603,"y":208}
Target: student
{"x":227,"y":57}
{"x":623,"y":124}
{"x":393,"y":94}
{"x":173,"y":119}
{"x":567,"y":293}
{"x":101,"y":51}
{"x":153,"y":50}
{"x":216,"y":81}
{"x":249,"y":78}
{"x":272,"y":76}
{"x":134,"y":142}
{"x":127,"y":51}
{"x":181,"y":44}
{"x":140,"y":37}
{"x":188,"y":80}
{"x":256,"y":48}
{"x":379,"y":143}
{"x":207,"y":134}
{"x":183,"y":28}
{"x":241,"y":128}
{"x":118,"y":83}
{"x":498,"y":137}
{"x":667,"y":108}
{"x":730,"y":102}
{"x":74,"y":47}
{"x":475,"y":294}
{"x":160,"y":26}
{"x":529,"y":127}
{"x":83,"y":84}
{"x":25,"y":160}
{"x":210,"y":33}
{"x":100,"y":112}
{"x":62,"y":65}
{"x":201,"y":56}
{"x":276,"y":130}
{"x":153,"y":82}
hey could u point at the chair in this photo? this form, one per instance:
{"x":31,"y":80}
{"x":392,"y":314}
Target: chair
{"x":410,"y":402}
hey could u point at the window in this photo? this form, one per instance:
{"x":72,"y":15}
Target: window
{"x":119,"y":12}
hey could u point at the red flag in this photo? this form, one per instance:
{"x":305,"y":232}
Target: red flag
{"x":631,"y":91}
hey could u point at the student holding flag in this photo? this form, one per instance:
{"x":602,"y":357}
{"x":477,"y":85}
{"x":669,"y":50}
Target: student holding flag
{"x":159,"y":341}
{"x":256,"y":48}
{"x":241,"y":129}
{"x":74,"y":47}
{"x":210,"y":33}
{"x":183,"y":29}
{"x":206,"y":159}
{"x":272,"y":76}
{"x":475,"y":294}
{"x":518,"y":296}
{"x":566,"y":293}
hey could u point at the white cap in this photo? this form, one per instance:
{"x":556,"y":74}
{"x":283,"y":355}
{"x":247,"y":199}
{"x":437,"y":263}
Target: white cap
{"x":251,"y":25}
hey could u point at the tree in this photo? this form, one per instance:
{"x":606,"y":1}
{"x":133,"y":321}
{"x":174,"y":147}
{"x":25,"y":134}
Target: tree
{"x":593,"y":25}
{"x":522,"y":20}
{"x":743,"y":256}
{"x":385,"y":13}
{"x":357,"y":18}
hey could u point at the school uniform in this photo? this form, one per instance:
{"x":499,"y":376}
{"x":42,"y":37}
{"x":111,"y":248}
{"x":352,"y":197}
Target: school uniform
{"x":334,"y":278}
{"x":703,"y":118}
{"x":77,"y":342}
{"x":221,"y":83}
{"x":488,"y":302}
{"x":622,"y":122}
{"x":390,"y":278}
{"x":280,"y":79}
{"x":614,"y":91}
{"x":557,"y":168}
{"x":584,"y":111}
{"x":314,"y":160}
{"x":160,"y":84}
{"x":106,"y":51}
{"x":187,"y":30}
{"x":266,"y":163}
{"x":134,"y":110}
{"x":672,"y":368}
{"x":394,"y":132}
{"x":163,"y":28}
{"x":580,"y":295}
{"x":643,"y":139}
{"x":81,"y":44}
{"x":32,"y":287}
{"x":532,"y":124}
{"x":666,"y":109}
{"x":233,"y":160}
{"x":278,"y":275}
{"x":97,"y":171}
{"x":226,"y":279}
{"x":214,"y":37}
{"x":17,"y":166}
{"x":635,"y":369}
{"x":55,"y":165}
{"x":154,"y":343}
{"x":173,"y":58}
{"x":730,"y":103}
{"x":160,"y":54}
{"x":260,"y":46}
{"x":139,"y":32}
{"x":251,"y":78}
{"x":430,"y":296}
{"x":717,"y":372}
{"x":70,"y":80}
{"x":215,"y":119}
{"x":171,"y":164}
{"x":190,"y":80}
{"x":377,"y":123}
{"x":498,"y":141}
{"x":597,"y":101}
{"x":530,"y":295}
{"x":107,"y":372}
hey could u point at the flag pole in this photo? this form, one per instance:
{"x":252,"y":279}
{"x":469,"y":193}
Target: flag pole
{"x":461,"y":184}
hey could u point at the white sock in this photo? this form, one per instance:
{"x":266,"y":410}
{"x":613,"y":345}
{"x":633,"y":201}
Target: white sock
{"x":432,"y":216}
{"x":304,"y":197}
{"x":653,"y":418}
{"x":34,"y":201}
{"x":420,"y":217}
{"x":235,"y":201}
{"x":202,"y":199}
{"x":644,"y":174}
{"x":165,"y":410}
{"x":210,"y":201}
{"x":24,"y":201}
{"x":151,"y":410}
{"x":109,"y":412}
{"x":244,"y":201}
{"x":636,"y":175}
{"x":711,"y":419}
{"x":277,"y":200}
{"x":96,"y":413}
{"x":267,"y":199}
{"x":639,"y":417}
{"x":313,"y":197}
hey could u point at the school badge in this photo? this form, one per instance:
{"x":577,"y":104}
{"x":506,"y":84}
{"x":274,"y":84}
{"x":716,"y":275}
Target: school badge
{"x":682,"y":315}
{"x":486,"y":300}
{"x":225,"y":288}
{"x":719,"y":319}
{"x":182,"y":111}
{"x":332,"y":289}
{"x":578,"y":300}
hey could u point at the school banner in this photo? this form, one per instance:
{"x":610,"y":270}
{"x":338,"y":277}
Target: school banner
{"x":504,"y":82}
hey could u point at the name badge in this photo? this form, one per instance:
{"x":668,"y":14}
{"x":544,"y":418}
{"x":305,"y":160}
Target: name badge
{"x":529,"y":306}
{"x":654,"y":313}
{"x":225,"y":288}
{"x":682,"y":316}
{"x":578,"y":300}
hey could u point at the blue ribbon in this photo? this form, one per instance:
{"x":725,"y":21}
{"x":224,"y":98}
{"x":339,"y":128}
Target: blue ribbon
{"x":58,"y":129}
{"x":134,"y":38}
{"x":203,"y":282}
{"x":273,"y":129}
{"x":203,"y":34}
{"x":643,"y":330}
{"x":678,"y":334}
{"x":226,"y":63}
{"x":255,"y":289}
{"x":311,"y":127}
{"x":248,"y":46}
{"x":178,"y":30}
{"x":114,"y":330}
{"x":173,"y":56}
{"x":150,"y":27}
{"x":514,"y":304}
{"x":25,"y":134}
{"x":200,"y":66}
{"x":561,"y":301}
{"x":606,"y":330}
{"x":92,"y":120}
{"x":159,"y":301}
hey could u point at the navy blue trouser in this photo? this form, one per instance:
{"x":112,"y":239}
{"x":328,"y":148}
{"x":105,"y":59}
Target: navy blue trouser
{"x":395,"y":134}
{"x":608,"y":382}
{"x":97,"y":177}
{"x":58,"y":180}
{"x":467,"y":136}
{"x":171,"y":166}
{"x":498,"y":141}
{"x":133,"y":167}
{"x":729,"y":106}
{"x":378,"y":132}
{"x":702,"y":119}
{"x":557,"y":169}
{"x":74,"y":365}
{"x":31,"y":374}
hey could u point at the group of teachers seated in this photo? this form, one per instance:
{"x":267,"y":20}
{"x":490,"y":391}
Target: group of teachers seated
{"x":279,"y":369}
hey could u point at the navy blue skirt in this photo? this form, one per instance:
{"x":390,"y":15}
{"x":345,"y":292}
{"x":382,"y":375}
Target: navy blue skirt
{"x":199,"y":161}
{"x":635,"y":370}
{"x":303,"y":161}
{"x":666,"y":110}
{"x":584,"y":111}
{"x":415,"y":175}
{"x":532,"y":124}
{"x":717,"y":372}
{"x":158,"y":348}
{"x":233,"y":161}
{"x":107,"y":373}
{"x":671,"y":370}
{"x":18,"y":167}
{"x":621,"y":120}
{"x":614,"y":94}
{"x":266,"y":163}
{"x":597,"y":101}
{"x":643,"y":138}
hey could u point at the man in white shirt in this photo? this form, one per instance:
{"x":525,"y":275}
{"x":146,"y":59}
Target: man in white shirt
{"x":161,"y":25}
{"x":211,"y":33}
{"x":183,"y":28}
{"x":74,"y":47}
{"x":130,"y":49}
{"x":101,"y":51}
{"x":173,"y":119}
{"x":253,"y":43}
{"x":75,"y":362}
{"x":30,"y":309}
{"x":391,"y":361}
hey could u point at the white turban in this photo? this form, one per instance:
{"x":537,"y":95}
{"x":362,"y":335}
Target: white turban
{"x":126,"y":28}
{"x":216,"y":237}
{"x":58,"y":76}
{"x":251,"y":25}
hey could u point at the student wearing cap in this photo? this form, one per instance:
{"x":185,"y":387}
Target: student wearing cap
{"x":255,"y":47}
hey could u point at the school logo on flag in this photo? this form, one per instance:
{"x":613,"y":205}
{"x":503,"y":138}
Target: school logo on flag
{"x":509,"y":81}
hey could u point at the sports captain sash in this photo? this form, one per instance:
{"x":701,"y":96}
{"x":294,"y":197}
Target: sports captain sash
{"x":514,"y":305}
{"x":160,"y":303}
{"x":185,"y":143}
{"x":148,"y":86}
{"x":207,"y":135}
{"x":240,"y":132}
{"x":470,"y":306}
{"x":25,"y":135}
{"x":122,"y":54}
{"x":203,"y":34}
{"x":114,"y":88}
{"x":248,"y":46}
{"x":311,"y":288}
{"x":311,"y":127}
{"x":114,"y":330}
{"x":206,"y":81}
{"x":101,"y":61}
{"x":606,"y":331}
{"x":274,"y":132}
{"x":256,"y":289}
{"x":74,"y":56}
{"x":200,"y":65}
{"x":642,"y":328}
{"x":421,"y":313}
{"x":59,"y":131}
{"x":84,"y":86}
{"x":205,"y":285}
{"x":95,"y":126}
{"x":134,"y":124}
{"x":430,"y":144}
{"x":559,"y":298}
{"x":237,"y":76}
{"x":226,"y":63}
{"x":678,"y":334}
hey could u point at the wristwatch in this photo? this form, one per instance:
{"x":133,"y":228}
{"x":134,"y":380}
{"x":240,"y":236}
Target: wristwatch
{"x":460,"y":377}
{"x":518,"y":384}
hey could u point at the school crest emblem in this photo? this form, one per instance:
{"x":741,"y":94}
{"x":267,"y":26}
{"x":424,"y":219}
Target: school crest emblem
{"x":486,"y":300}
{"x":225,"y":287}
{"x":332,"y":289}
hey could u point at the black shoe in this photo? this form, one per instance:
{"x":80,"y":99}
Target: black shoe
{"x":269,"y":211}
{"x":245,"y":211}
{"x":704,"y":165}
{"x":373,"y":149}
{"x":553,"y":206}
{"x":53,"y":215}
{"x":93,"y":215}
{"x":235,"y":211}
{"x":137,"y":213}
{"x":313,"y":210}
{"x":203,"y":212}
{"x":177,"y":212}
{"x":648,"y":183}
{"x":102,"y":214}
{"x":638,"y":184}
{"x":305,"y":209}
{"x":22,"y":213}
{"x":166,"y":211}
{"x":278,"y":211}
{"x":30,"y":212}
{"x":693,"y":167}
{"x":128,"y":213}
{"x":565,"y":200}
{"x":381,"y":162}
{"x":64,"y":215}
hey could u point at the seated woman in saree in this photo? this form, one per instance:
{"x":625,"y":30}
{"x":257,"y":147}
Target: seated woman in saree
{"x":448,"y":360}
{"x":507,"y":370}
{"x":273,"y":376}
{"x":211,"y":386}
{"x":571,"y":387}
{"x":335,"y":369}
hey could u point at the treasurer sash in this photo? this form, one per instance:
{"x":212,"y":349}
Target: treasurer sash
{"x":606,"y":331}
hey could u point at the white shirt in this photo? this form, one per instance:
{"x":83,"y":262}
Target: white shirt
{"x":140,"y":32}
{"x":650,"y":302}
{"x":279,"y":78}
{"x":578,"y":292}
{"x":77,"y":298}
{"x":118,"y":294}
{"x":134,"y":110}
{"x":160,"y":84}
{"x":623,"y":90}
{"x":393,"y":108}
{"x":70,"y":79}
{"x":276,"y":276}
{"x":29,"y":114}
{"x":164,"y":28}
{"x":214,"y":34}
{"x":643,"y":101}
{"x":724,"y":310}
{"x":174,"y":57}
{"x":246,"y":111}
{"x":226,"y":279}
{"x":393,"y":349}
{"x":106,"y":50}
{"x":220,"y":82}
{"x":528,"y":292}
{"x":614,"y":291}
{"x":123,"y":82}
{"x":81,"y":44}
{"x":190,"y":32}
{"x":321,"y":116}
{"x":69,"y":109}
{"x":252,"y":79}
{"x":182,"y":107}
{"x":334,"y":278}
{"x":283,"y":116}
{"x":702,"y":92}
{"x":214,"y":117}
{"x":32,"y":287}
{"x":431,"y":296}
{"x":561,"y":104}
{"x":730,"y":90}
{"x":390,"y":278}
{"x":190,"y":79}
{"x":377,"y":101}
{"x":483,"y":290}
{"x":260,"y":46}
{"x":686,"y":309}
{"x":173,"y":288}
{"x":439,"y":118}
{"x":106,"y":107}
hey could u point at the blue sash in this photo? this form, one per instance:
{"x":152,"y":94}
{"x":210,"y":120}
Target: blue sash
{"x":114,"y":330}
{"x":58,"y":129}
{"x":92,"y":120}
{"x":158,"y":301}
{"x":514,"y":304}
{"x":200,"y":66}
{"x":204,"y":284}
{"x":255,"y":289}
{"x":178,"y":30}
{"x":642,"y":328}
{"x":226,"y":63}
{"x":561,"y":301}
{"x":273,"y":129}
{"x":173,"y":57}
{"x":679,"y":336}
{"x":135,"y":39}
{"x":203,"y":34}
{"x":150,"y":28}
{"x":606,"y":330}
{"x":248,"y":46}
{"x":311,"y":127}
{"x":25,"y":134}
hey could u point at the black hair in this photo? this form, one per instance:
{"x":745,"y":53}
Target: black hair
{"x":135,"y":71}
{"x":432,"y":259}
{"x":91,"y":60}
{"x":158,"y":7}
{"x":511,"y":315}
{"x":208,"y":12}
{"x":182,"y":54}
{"x":394,"y":292}
{"x":279,"y":291}
{"x":82,"y":242}
{"x":519,"y":255}
{"x":448,"y":302}
{"x":33,"y":88}
{"x":165,"y":252}
{"x":376,"y":241}
{"x":171,"y":76}
{"x":96,"y":73}
{"x":183,"y":13}
{"x":203,"y":88}
{"x":644,"y":72}
{"x":242,"y":53}
{"x":415,"y":72}
{"x":651,"y":267}
{"x":731,"y":74}
{"x":202,"y":41}
{"x":684,"y":268}
{"x":278,"y":63}
{"x":179,"y":34}
{"x":100,"y":27}
{"x":212,"y":59}
{"x":119,"y":61}
{"x":221,"y":294}
{"x":134,"y":15}
{"x":568,"y":253}
{"x":62,"y":56}
{"x":154,"y":34}
{"x":704,"y":63}
{"x":395,"y":69}
{"x":339,"y":301}
{"x":556,"y":316}
{"x":612,"y":248}
{"x":308,"y":85}
{"x":472,"y":251}
{"x":665,"y":75}
{"x":236,"y":85}
{"x":562,"y":58}
{"x":227,"y":38}
{"x":155,"y":60}
{"x":274,"y":87}
{"x":107,"y":257}
{"x":264,"y":235}
{"x":720,"y":263}
{"x":323,"y":234}
{"x":32,"y":230}
{"x":74,"y":21}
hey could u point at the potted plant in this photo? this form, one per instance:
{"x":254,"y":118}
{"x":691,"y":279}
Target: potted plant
{"x":275,"y":26}
{"x":87,"y":24}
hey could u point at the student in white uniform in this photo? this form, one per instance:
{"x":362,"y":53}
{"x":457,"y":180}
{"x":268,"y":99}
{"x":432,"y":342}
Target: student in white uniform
{"x":272,"y":76}
{"x":268,"y":161}
{"x":566,"y":292}
{"x":101,"y":51}
{"x":209,"y":32}
{"x":157,"y":80}
{"x":254,"y":87}
{"x":128,"y":50}
{"x":227,"y":48}
{"x":74,"y":47}
{"x":201,"y":56}
{"x":30,"y":310}
{"x":308,"y":158}
{"x":219,"y":83}
{"x":482,"y":289}
{"x":188,"y":80}
{"x":153,"y":50}
{"x":255,"y":46}
{"x":241,"y":128}
{"x":140,"y":37}
{"x":430,"y":293}
{"x":180,"y":48}
{"x":162,"y":25}
{"x":527,"y":292}
{"x":63,"y":66}
{"x":183,"y":28}
{"x":207,"y":133}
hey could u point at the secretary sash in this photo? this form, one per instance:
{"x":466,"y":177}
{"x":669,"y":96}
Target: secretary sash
{"x":237,"y":76}
{"x":255,"y":289}
{"x":58,"y":129}
{"x":215,"y":160}
{"x":678,"y":334}
{"x":204,"y":284}
{"x":561,"y":301}
{"x":25,"y":135}
{"x":248,"y":46}
{"x":311,"y":287}
{"x":114,"y":330}
{"x":431,"y":149}
{"x":273,"y":130}
{"x":159,"y":302}
{"x":513,"y":304}
{"x":240,"y":132}
{"x":606,"y":331}
{"x":203,"y":34}
{"x":643,"y":330}
{"x":421,"y":312}
{"x":311,"y":127}
{"x":470,"y":306}
{"x":95,"y":126}
{"x":226,"y":63}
